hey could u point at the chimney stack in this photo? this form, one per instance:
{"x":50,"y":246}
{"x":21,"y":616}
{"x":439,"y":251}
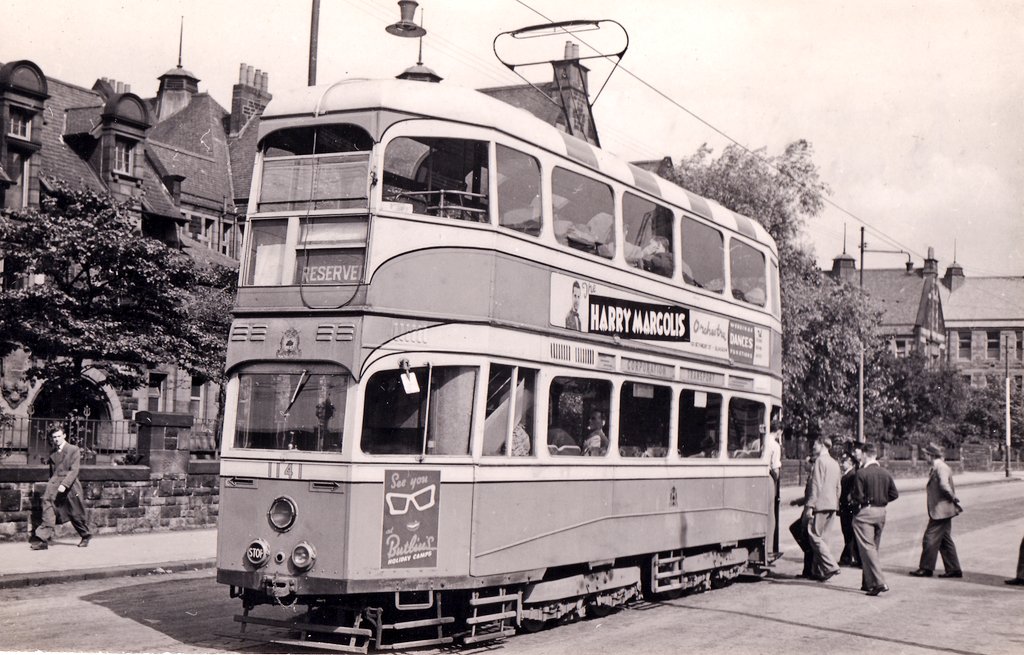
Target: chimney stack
{"x":249,"y":97}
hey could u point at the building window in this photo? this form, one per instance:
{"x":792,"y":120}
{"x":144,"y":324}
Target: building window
{"x":902,"y":347}
{"x":20,"y":124}
{"x":994,"y":346}
{"x":1020,"y":345}
{"x":124,"y":156}
{"x":155,"y":392}
{"x":964,"y":338}
{"x":196,"y":407}
{"x":18,"y":167}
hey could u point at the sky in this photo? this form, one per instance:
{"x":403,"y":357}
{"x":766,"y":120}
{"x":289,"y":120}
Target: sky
{"x":914,"y":108}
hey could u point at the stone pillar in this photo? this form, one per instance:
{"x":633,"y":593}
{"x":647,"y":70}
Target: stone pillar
{"x":164,"y":440}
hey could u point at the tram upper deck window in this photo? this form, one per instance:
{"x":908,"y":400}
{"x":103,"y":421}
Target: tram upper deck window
{"x":644,"y":411}
{"x":268,"y":247}
{"x":746,"y":265}
{"x":700,"y":424}
{"x":323,"y":167}
{"x":746,"y":428}
{"x":519,"y":201}
{"x":578,"y":416}
{"x":703,"y":255}
{"x":584,"y":213}
{"x":435,"y":418}
{"x":509,"y":421}
{"x":330,"y":251}
{"x":648,"y":232}
{"x":438,"y":177}
{"x":297,"y":410}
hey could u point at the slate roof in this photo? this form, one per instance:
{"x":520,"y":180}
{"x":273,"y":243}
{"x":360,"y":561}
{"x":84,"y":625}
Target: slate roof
{"x":981,"y":299}
{"x":57,"y":158}
{"x":155,"y":198}
{"x":897,"y":294}
{"x":192,"y":143}
{"x":243,"y":157}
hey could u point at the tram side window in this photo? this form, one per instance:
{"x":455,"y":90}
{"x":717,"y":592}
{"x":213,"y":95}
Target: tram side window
{"x":746,"y":428}
{"x":396,"y":421}
{"x":519,"y":205}
{"x":578,"y":416}
{"x":297,"y":410}
{"x":509,"y":420}
{"x":584,"y":213}
{"x":746,"y":265}
{"x":703,"y":255}
{"x":700,"y":424}
{"x":648,"y":234}
{"x":773,"y":271}
{"x":267,"y":252}
{"x":438,"y":177}
{"x":644,"y":411}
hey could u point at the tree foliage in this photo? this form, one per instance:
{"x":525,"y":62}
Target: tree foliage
{"x":86,"y":289}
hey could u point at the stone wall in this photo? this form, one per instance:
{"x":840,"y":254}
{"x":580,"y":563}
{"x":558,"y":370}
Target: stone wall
{"x":118,"y":499}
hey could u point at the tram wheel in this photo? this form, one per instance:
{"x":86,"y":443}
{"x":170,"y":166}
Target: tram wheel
{"x":532,"y":625}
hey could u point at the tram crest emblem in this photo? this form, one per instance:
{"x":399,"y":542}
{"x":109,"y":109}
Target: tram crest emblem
{"x":289,"y":344}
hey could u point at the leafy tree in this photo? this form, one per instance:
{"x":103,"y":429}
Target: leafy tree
{"x":85,"y":289}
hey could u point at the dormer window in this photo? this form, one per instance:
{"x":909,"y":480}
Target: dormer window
{"x":124,"y":156}
{"x":20,"y":124}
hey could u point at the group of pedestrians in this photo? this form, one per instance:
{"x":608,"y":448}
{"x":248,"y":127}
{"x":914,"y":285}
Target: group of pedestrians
{"x":858,"y":489}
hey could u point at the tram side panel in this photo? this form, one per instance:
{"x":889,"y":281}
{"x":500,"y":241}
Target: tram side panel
{"x":519,"y":524}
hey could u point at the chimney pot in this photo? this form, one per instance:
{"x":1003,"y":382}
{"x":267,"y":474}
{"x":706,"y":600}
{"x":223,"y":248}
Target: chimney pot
{"x":241,"y":73}
{"x":568,"y":50}
{"x":265,"y":83}
{"x":248,"y":75}
{"x":575,"y":51}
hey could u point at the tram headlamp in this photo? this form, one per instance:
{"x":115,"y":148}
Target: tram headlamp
{"x":282,"y":514}
{"x":303,"y":556}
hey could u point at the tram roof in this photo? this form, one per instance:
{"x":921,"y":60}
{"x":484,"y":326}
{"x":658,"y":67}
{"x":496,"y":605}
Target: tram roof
{"x":455,"y":103}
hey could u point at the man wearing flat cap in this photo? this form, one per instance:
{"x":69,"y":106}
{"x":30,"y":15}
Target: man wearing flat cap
{"x":943,"y":505}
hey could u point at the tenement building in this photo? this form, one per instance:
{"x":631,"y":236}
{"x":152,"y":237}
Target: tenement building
{"x":181,"y":160}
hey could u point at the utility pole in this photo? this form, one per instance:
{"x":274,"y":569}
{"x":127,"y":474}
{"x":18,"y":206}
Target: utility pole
{"x":314,"y":31}
{"x":860,"y":368}
{"x":1006,"y":356}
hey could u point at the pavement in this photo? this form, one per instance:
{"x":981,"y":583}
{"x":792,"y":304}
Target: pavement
{"x":156,"y":553}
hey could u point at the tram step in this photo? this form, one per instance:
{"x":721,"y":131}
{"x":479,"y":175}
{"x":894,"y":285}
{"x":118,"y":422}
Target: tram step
{"x":491,"y":618}
{"x":489,"y":636}
{"x":415,"y":644}
{"x":324,"y":645}
{"x":309,"y":627}
{"x":492,"y":600}
{"x":422,"y":623}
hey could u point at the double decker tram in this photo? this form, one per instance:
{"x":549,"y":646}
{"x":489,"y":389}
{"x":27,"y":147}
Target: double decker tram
{"x":484,"y":375}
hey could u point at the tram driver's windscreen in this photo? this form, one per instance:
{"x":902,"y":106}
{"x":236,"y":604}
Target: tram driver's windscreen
{"x":296,"y":410}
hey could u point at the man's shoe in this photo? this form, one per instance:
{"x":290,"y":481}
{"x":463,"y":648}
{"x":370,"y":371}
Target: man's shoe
{"x":952,"y":574}
{"x":1017,"y":582}
{"x":921,"y":573}
{"x":880,"y":589}
{"x":828,"y":576}
{"x":84,"y":543}
{"x":39,"y":545}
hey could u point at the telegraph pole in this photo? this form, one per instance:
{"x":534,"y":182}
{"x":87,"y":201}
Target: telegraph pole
{"x":860,"y":368}
{"x":314,"y":31}
{"x":1006,"y":356}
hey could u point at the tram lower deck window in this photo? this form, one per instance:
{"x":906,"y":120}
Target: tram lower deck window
{"x":644,"y":412}
{"x":700,"y":424}
{"x":578,"y":416}
{"x":747,"y":428}
{"x":434,"y":418}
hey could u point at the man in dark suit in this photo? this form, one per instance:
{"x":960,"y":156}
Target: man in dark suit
{"x":943,"y":505}
{"x":63,"y":491}
{"x":873,"y":490}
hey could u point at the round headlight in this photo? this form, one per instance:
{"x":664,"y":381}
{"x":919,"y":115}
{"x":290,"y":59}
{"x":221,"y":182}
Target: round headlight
{"x":282,"y":514}
{"x":303,"y":556}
